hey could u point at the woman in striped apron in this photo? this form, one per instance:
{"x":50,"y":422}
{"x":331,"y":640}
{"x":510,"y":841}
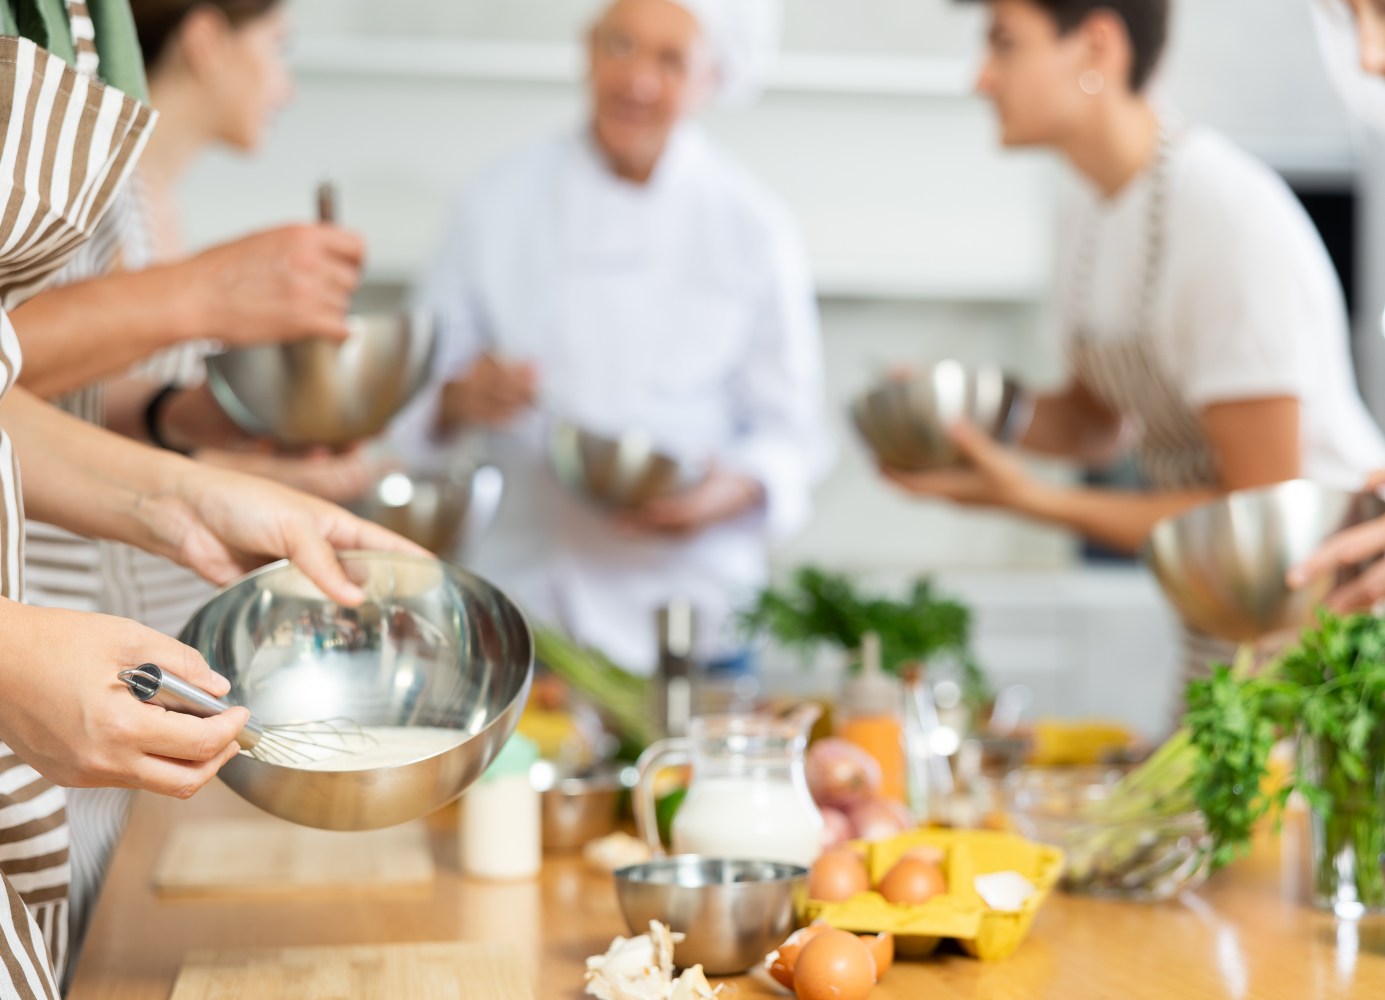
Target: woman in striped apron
{"x":1201,"y":316}
{"x":231,"y":101}
{"x":34,"y":857}
{"x":69,"y":143}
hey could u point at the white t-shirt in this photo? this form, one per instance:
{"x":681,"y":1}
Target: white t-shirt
{"x":1247,"y":304}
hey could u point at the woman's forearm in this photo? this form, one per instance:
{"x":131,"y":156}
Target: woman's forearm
{"x":1114,"y":518}
{"x":89,"y":331}
{"x":89,"y":480}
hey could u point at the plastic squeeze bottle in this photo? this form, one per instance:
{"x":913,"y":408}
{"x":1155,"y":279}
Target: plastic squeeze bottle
{"x":870,"y":715}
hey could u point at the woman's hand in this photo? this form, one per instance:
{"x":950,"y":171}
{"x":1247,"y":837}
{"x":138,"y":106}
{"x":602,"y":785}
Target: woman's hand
{"x":67,"y":714}
{"x":992,"y":477}
{"x":223,"y":524}
{"x":1347,"y":550}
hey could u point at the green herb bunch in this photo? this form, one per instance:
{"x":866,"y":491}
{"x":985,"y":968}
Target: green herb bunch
{"x":1329,"y":691}
{"x":822,"y":608}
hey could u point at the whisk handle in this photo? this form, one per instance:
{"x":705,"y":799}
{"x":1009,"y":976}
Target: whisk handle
{"x":149,"y":683}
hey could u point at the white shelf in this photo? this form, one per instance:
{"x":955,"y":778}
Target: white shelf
{"x":552,"y":63}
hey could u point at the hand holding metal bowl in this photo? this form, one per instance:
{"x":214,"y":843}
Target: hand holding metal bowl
{"x":906,"y":420}
{"x":1223,"y":565}
{"x":432,"y":647}
{"x":620,"y":472}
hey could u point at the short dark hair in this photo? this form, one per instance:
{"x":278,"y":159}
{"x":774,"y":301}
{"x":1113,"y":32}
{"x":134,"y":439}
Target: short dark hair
{"x":1146,"y":22}
{"x":157,"y":21}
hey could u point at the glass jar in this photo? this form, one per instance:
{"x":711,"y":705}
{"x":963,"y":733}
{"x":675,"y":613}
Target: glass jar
{"x":748,"y":796}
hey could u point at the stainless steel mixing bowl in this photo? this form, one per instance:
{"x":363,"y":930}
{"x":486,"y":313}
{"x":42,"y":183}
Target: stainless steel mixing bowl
{"x":625,"y":471}
{"x":1222,"y":565}
{"x":437,"y":510}
{"x":432,"y":646}
{"x":905,"y":421}
{"x":578,"y":809}
{"x":314,"y":392}
{"x":733,"y":912}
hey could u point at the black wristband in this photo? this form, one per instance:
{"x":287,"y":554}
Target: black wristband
{"x":153,"y":411}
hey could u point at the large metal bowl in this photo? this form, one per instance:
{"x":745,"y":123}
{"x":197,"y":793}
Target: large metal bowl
{"x":905,"y":421}
{"x":432,"y":646}
{"x":621,"y":472}
{"x":1222,"y":565}
{"x":733,"y":913}
{"x":318,"y":393}
{"x":438,"y":510}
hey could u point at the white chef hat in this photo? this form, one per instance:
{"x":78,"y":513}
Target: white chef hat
{"x":1362,"y":92}
{"x":744,"y":37}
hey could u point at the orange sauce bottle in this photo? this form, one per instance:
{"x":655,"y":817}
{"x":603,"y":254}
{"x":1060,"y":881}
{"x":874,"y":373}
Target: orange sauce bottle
{"x":869,"y":714}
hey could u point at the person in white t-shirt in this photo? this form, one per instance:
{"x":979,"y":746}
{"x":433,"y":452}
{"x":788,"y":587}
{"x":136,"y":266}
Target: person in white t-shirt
{"x":1352,"y":37}
{"x":1202,"y":320}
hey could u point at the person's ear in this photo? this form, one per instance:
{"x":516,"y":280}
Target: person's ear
{"x":202,"y":39}
{"x":1109,"y":54}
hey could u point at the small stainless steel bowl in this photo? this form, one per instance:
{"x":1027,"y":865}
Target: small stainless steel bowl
{"x":622,"y":472}
{"x":733,"y":913}
{"x":432,"y":646}
{"x":436,"y":510}
{"x":905,"y":421}
{"x":579,"y":809}
{"x":314,"y":392}
{"x":1222,"y":565}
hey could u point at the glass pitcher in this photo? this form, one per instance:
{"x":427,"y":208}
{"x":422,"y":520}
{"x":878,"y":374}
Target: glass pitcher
{"x":748,"y":797}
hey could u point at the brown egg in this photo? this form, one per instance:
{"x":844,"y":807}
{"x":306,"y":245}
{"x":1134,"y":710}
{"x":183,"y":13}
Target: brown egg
{"x":882,"y":950}
{"x":930,"y":853}
{"x":913,"y":881}
{"x":834,"y":965}
{"x":837,"y":875}
{"x":780,"y":962}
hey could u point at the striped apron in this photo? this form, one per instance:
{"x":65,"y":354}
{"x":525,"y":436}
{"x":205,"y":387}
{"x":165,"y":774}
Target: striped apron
{"x":64,"y":570}
{"x":69,"y":144}
{"x":1128,"y":377}
{"x":1173,"y":452}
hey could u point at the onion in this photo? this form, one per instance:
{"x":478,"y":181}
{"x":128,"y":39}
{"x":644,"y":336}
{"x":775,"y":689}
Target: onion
{"x":836,"y":827}
{"x":880,"y":819}
{"x":840,"y":774}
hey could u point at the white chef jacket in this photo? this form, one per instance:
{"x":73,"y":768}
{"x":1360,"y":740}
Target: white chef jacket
{"x":683,"y":306}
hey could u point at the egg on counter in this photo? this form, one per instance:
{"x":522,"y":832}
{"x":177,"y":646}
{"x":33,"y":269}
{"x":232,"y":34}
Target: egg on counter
{"x":834,"y":965}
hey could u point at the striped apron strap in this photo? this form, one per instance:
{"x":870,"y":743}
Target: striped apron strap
{"x":1173,"y":451}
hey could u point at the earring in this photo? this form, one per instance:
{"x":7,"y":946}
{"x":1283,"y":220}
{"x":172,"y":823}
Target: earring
{"x":1091,"y":82}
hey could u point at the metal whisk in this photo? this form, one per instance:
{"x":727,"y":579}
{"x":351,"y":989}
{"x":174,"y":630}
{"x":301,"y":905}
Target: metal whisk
{"x":285,"y":745}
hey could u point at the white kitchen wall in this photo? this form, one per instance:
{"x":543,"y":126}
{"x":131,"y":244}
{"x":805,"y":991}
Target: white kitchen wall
{"x":926,"y":240}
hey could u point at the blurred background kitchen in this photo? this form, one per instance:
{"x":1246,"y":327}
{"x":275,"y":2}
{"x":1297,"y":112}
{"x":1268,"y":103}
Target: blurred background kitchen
{"x":926,"y":240}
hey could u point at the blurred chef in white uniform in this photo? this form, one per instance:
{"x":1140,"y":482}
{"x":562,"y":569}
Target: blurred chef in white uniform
{"x":630,"y":274}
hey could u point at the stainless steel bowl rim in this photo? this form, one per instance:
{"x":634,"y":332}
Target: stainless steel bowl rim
{"x":614,"y":780}
{"x":645,"y":872}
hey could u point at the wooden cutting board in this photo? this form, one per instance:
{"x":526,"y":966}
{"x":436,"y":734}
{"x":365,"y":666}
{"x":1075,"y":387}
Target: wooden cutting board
{"x":269,"y":856}
{"x":442,"y":971}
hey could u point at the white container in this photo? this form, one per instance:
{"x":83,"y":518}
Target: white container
{"x":502,"y":820}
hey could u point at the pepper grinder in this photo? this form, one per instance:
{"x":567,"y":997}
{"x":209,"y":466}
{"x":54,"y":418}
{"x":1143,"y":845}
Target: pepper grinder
{"x":676,"y":671}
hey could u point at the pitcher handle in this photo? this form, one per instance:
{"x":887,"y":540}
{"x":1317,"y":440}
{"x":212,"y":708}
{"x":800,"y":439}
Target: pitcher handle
{"x":660,"y":755}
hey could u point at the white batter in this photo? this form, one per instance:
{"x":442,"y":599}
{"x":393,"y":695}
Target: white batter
{"x":379,"y":747}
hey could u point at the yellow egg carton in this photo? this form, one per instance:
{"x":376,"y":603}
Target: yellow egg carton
{"x":960,"y":914}
{"x":1063,"y":743}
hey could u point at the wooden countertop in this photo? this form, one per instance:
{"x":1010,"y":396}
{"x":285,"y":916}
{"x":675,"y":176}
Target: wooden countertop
{"x":1244,"y":935}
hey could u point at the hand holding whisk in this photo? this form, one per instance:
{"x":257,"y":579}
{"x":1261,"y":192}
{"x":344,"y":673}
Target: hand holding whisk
{"x":284,"y":745}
